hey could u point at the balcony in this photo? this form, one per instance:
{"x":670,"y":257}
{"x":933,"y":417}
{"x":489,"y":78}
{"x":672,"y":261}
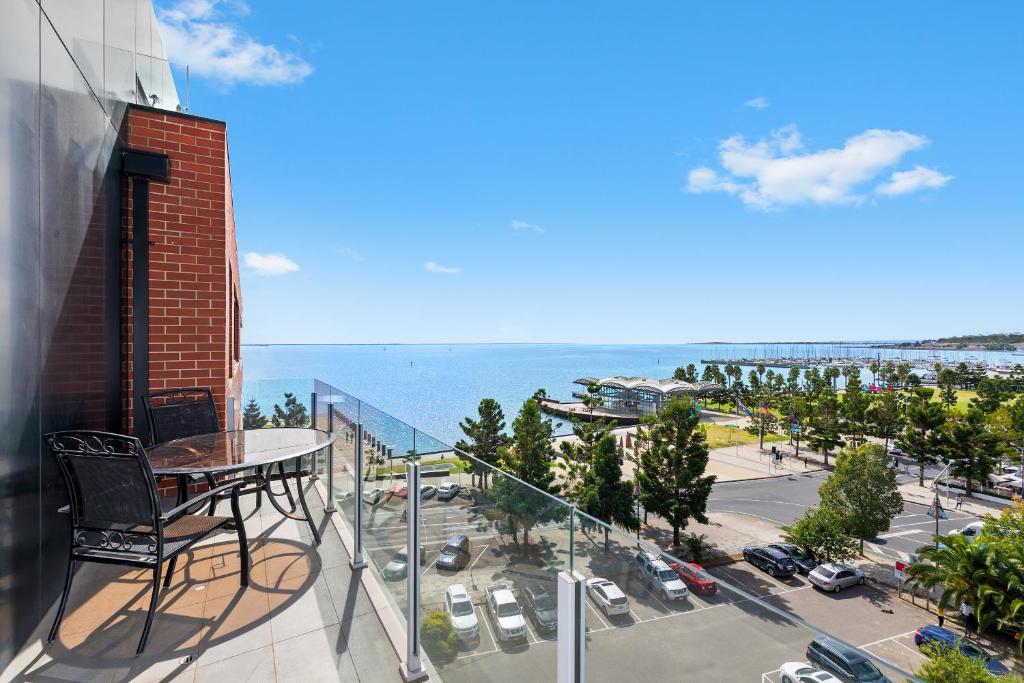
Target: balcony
{"x":308,"y":615}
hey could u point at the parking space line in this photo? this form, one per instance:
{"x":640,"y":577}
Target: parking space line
{"x":482,"y":550}
{"x":530,"y":633}
{"x":900,"y":635}
{"x":598,"y":613}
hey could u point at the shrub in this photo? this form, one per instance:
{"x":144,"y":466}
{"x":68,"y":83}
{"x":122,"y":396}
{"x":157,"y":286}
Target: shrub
{"x":698,"y":546}
{"x":439,"y":636}
{"x":951,"y":666}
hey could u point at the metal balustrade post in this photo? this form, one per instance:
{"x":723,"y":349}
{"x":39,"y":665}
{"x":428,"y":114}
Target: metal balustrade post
{"x":330,"y":462}
{"x":412,"y":668}
{"x":572,"y":628}
{"x":357,"y":561}
{"x":313,"y":476}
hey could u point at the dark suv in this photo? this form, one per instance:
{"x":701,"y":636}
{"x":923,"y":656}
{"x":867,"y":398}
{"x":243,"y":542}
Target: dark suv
{"x":455,"y":554}
{"x":540,"y":607}
{"x":842,"y":661}
{"x":803,"y":561}
{"x":771,"y":560}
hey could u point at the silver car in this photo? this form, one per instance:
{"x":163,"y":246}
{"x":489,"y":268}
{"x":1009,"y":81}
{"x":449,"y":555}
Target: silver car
{"x":835,"y":576}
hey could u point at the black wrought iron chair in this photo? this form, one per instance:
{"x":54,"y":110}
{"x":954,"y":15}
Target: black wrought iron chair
{"x":116,"y":517}
{"x":177,"y":413}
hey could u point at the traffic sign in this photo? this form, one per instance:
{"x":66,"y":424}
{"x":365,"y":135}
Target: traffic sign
{"x":901,"y":570}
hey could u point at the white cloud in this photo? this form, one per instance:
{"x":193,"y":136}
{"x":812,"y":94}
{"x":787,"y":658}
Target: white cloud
{"x":439,"y":269}
{"x":757,"y":103}
{"x":776,"y":171}
{"x":902,"y":182}
{"x":200,"y":34}
{"x":270,"y":265}
{"x":524,"y":225}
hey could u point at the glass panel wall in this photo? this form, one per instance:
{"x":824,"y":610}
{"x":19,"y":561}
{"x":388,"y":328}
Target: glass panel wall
{"x":492,"y":548}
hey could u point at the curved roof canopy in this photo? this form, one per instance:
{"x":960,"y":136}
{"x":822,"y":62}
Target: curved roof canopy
{"x":659,"y":386}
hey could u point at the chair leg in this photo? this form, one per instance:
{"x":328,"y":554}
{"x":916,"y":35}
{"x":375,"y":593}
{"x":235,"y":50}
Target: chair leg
{"x":170,"y":571}
{"x":243,"y":541}
{"x":63,"y":600}
{"x":152,"y":608}
{"x":212,"y":483}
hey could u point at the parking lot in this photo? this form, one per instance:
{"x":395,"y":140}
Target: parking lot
{"x":744,"y":632}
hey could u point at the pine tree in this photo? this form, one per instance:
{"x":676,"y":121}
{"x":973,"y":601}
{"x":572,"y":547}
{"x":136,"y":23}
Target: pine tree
{"x":578,"y":455}
{"x":975,"y":449}
{"x":486,"y":436}
{"x":922,"y":438}
{"x":252,"y":416}
{"x":885,"y":416}
{"x":529,"y":457}
{"x":671,"y":475}
{"x":605,"y":496}
{"x":823,"y":422}
{"x":292,"y":415}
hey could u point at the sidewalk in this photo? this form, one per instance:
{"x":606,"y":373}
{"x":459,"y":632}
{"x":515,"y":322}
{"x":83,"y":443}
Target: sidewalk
{"x":913,"y":493}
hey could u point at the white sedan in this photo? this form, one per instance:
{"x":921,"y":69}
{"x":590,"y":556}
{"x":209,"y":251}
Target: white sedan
{"x":608,"y":596}
{"x":801,"y":672}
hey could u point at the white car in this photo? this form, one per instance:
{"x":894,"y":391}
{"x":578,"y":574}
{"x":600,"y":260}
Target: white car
{"x":505,"y":613}
{"x":895,"y":450}
{"x":448,"y":490}
{"x":373,"y":496}
{"x":459,"y":606}
{"x":660,"y":577}
{"x":835,"y":576}
{"x":801,"y":672}
{"x":970,"y":532}
{"x":608,"y":596}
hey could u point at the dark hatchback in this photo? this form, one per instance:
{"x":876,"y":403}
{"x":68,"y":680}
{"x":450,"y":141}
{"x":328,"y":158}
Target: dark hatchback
{"x":775,"y":562}
{"x":804,"y":562}
{"x":540,"y":607}
{"x":844,"y":662}
{"x":945,"y":638}
{"x":455,"y":554}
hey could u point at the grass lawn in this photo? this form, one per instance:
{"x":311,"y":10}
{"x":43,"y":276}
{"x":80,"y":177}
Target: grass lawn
{"x":457,"y":465}
{"x":720,"y":436}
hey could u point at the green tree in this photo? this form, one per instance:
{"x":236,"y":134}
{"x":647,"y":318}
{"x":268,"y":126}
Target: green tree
{"x":823,"y":434}
{"x":605,"y":495}
{"x":991,"y":394}
{"x":821,"y":534}
{"x":923,"y":438}
{"x":593,"y":398}
{"x":948,"y":665}
{"x":252,"y":416}
{"x":947,"y":381}
{"x":292,"y":415}
{"x":672,"y":465}
{"x":578,"y":455}
{"x":974,"y":448}
{"x":439,"y":636}
{"x":855,"y":412}
{"x":885,"y":416}
{"x":863,"y":491}
{"x":529,"y":457}
{"x":486,"y":437}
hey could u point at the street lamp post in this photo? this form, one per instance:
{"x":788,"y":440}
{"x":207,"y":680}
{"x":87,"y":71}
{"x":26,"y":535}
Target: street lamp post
{"x":935,"y":502}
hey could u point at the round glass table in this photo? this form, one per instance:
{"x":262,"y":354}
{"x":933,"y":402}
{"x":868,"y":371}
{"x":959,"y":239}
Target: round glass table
{"x":261,"y":450}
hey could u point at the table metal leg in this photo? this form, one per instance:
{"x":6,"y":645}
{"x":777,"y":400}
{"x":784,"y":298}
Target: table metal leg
{"x":284,"y":483}
{"x":302,"y":501}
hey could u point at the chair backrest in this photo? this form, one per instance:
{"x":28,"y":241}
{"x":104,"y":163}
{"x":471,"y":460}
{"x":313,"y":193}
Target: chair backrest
{"x":177,"y":413}
{"x":109,"y":479}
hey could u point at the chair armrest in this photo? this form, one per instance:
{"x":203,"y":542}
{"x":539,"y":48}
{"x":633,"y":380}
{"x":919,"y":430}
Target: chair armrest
{"x":172,"y":514}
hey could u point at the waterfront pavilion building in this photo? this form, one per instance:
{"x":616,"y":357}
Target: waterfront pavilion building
{"x":643,"y":396}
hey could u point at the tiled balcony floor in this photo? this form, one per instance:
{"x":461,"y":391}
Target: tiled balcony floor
{"x":304,"y":616}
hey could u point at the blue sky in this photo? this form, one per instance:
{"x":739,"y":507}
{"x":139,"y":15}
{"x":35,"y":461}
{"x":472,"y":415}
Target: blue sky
{"x":599,"y":172}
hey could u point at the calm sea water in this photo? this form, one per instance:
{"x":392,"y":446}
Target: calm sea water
{"x":432,"y":387}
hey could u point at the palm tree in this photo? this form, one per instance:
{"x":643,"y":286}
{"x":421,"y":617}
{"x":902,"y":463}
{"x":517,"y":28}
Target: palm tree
{"x":964,"y":572}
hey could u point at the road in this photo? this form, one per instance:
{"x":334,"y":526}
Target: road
{"x":783,"y":500}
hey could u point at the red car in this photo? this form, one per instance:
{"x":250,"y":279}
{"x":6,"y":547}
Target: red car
{"x":696,"y":578}
{"x":398,"y":491}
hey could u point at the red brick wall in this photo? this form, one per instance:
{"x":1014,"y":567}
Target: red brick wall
{"x":193,"y":261}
